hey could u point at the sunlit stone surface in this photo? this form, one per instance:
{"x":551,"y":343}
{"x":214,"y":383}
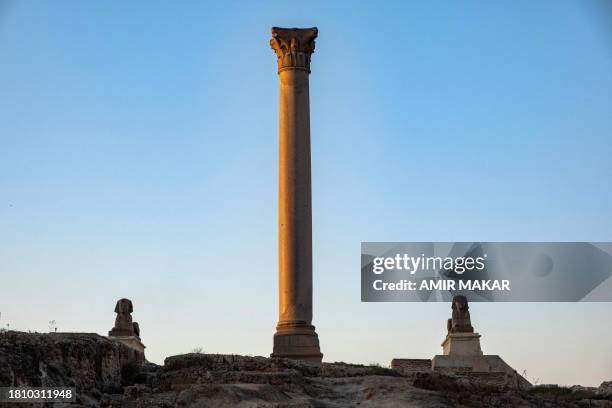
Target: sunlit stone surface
{"x":295,"y":335}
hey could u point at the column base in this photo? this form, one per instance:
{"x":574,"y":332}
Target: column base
{"x":297,"y":341}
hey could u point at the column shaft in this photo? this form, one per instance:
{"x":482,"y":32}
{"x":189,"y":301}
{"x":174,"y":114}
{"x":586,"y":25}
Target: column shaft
{"x":295,"y":214}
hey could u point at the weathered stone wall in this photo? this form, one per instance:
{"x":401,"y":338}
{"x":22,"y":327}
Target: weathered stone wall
{"x":490,"y":369}
{"x":496,"y":373}
{"x":411,"y":365}
{"x":495,"y":379}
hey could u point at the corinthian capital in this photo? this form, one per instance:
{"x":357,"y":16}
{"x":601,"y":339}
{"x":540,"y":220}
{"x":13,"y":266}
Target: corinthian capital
{"x":293,"y":47}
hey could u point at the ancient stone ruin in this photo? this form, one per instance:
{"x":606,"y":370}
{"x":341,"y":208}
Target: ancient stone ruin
{"x":125,"y":330}
{"x":462,"y":355}
{"x":295,"y":335}
{"x":461,"y":339}
{"x":112,"y":372}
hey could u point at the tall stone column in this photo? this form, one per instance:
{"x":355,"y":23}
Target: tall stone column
{"x":295,"y":335}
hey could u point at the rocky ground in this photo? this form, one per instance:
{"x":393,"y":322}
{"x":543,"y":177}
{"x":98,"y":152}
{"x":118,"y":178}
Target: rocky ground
{"x":108,"y":374}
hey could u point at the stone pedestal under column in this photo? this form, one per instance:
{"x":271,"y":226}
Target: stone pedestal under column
{"x":296,"y":341}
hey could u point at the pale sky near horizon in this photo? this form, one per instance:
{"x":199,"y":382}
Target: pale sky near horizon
{"x":138,"y":158}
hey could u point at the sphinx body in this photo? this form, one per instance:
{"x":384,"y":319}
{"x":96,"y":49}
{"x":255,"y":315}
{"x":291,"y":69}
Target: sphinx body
{"x":123,"y":322}
{"x":460,"y":321}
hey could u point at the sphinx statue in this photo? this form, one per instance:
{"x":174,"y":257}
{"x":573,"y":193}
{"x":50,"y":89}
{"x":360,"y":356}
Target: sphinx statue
{"x":460,"y":322}
{"x":123,"y":322}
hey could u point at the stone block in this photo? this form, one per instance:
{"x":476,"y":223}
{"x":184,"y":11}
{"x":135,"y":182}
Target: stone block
{"x":411,"y":365}
{"x":132,"y":342}
{"x":298,"y":345}
{"x":462,"y":344}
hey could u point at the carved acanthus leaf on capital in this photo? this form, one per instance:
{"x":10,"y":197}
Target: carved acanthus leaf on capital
{"x":293,"y":47}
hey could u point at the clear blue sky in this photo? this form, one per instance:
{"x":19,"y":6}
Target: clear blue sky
{"x":138,"y":158}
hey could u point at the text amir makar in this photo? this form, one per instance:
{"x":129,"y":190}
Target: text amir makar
{"x":457,"y":265}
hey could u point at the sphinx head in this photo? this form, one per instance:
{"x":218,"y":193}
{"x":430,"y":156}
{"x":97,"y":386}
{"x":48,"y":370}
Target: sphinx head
{"x":124,"y":306}
{"x":460,"y":303}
